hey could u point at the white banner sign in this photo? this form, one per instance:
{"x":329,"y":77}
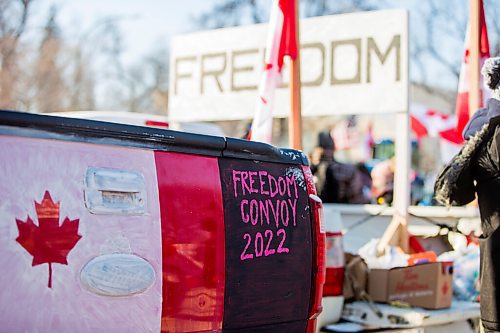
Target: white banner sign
{"x":350,"y":64}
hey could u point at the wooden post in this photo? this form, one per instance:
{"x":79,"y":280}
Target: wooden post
{"x":474,"y":55}
{"x":295,"y":118}
{"x":397,"y":232}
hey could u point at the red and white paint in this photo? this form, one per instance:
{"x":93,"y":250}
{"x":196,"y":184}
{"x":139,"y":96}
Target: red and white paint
{"x":32,"y":170}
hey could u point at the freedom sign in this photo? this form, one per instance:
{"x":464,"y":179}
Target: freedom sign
{"x":350,"y":64}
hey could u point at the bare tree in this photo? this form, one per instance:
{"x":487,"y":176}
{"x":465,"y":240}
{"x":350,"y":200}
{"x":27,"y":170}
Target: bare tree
{"x":157,"y":91}
{"x":144,"y":86}
{"x":442,"y":28}
{"x":98,"y":47}
{"x":52,"y":72}
{"x":50,"y":85}
{"x":231,"y":13}
{"x":326,"y":7}
{"x":228,"y":13}
{"x":81,"y":94}
{"x":13,"y":19}
{"x":35,"y":78}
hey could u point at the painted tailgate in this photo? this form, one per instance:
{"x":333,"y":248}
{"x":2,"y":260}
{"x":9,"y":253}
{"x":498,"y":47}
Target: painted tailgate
{"x":31,"y":168}
{"x":224,"y":272}
{"x":108,"y":227}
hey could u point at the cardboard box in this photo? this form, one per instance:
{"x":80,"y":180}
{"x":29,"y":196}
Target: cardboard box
{"x":428,"y":285}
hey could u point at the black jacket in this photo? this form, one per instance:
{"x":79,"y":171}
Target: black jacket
{"x":340,"y":183}
{"x":476,"y":170}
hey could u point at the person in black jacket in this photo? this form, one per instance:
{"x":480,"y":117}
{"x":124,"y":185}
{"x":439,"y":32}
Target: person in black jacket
{"x":336,"y":182}
{"x":476,"y":170}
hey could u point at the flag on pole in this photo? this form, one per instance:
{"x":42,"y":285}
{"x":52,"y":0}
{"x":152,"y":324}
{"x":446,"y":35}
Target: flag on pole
{"x":345,"y":134}
{"x":281,"y":42}
{"x":462,"y":104}
{"x":368,"y":142}
{"x":428,"y":122}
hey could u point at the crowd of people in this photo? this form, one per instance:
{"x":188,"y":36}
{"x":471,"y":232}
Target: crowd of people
{"x":338,"y":182}
{"x":473,"y":174}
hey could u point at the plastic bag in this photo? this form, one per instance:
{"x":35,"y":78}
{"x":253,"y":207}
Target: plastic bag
{"x":393,"y":256}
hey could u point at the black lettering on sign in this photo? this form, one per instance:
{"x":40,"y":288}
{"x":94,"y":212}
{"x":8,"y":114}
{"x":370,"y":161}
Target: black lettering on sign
{"x":268,"y":243}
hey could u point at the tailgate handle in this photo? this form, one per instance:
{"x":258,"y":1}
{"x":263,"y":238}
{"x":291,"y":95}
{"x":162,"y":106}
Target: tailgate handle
{"x":115,"y":191}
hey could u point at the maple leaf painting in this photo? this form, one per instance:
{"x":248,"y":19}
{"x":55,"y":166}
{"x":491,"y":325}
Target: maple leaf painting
{"x":48,"y":242}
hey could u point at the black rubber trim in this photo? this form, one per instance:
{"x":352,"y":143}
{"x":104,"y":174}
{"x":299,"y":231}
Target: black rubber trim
{"x":92,"y":131}
{"x":116,"y":134}
{"x":250,"y":150}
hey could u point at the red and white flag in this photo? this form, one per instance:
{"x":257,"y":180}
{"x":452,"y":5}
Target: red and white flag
{"x":428,"y":122}
{"x":462,"y":105}
{"x":368,"y":142}
{"x":281,"y":42}
{"x":345,"y":134}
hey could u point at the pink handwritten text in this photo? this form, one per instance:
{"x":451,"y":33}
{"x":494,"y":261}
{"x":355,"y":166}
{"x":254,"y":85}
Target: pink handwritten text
{"x":268,"y":203}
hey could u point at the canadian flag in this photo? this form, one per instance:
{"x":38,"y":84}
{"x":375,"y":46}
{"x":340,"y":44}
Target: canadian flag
{"x":281,"y":41}
{"x":368,"y":142}
{"x":429,"y":122}
{"x":462,"y":105}
{"x":345,"y":134}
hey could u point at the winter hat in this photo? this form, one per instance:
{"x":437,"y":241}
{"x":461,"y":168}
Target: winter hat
{"x":325,"y":141}
{"x":491,"y":74}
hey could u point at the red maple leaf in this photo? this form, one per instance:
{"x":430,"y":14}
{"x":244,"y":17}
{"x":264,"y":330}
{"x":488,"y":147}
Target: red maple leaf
{"x":48,"y":242}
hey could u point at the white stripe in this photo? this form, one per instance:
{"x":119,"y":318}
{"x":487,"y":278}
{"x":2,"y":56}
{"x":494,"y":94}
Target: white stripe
{"x":262,"y":124}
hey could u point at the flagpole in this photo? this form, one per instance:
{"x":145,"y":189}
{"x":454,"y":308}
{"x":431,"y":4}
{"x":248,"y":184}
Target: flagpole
{"x":474,"y":98}
{"x":295,"y":118}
